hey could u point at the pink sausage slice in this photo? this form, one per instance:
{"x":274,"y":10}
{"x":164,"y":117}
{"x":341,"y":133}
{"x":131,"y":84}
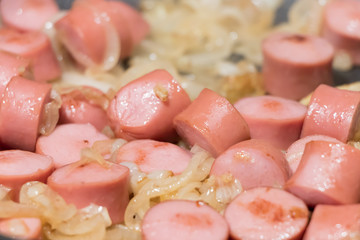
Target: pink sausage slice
{"x":212,"y":123}
{"x":36,"y":47}
{"x":18,"y":167}
{"x":84,"y":105}
{"x":341,"y":26}
{"x":327,"y":174}
{"x":21,"y":112}
{"x":64,"y":144}
{"x":182,"y":219}
{"x":274,"y":119}
{"x":129,"y":23}
{"x":145,"y":107}
{"x":294,"y":65}
{"x":137,"y":25}
{"x":295,"y":152}
{"x":266,"y":213}
{"x":333,"y":112}
{"x":23,"y":228}
{"x":105,"y":186}
{"x":334,"y":222}
{"x":83,"y":38}
{"x":255,"y":163}
{"x":150,"y":155}
{"x":11,"y":66}
{"x":85,"y":30}
{"x":27,"y":15}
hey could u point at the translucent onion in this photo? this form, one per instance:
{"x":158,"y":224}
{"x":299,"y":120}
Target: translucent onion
{"x":121,"y":232}
{"x":53,"y":208}
{"x":50,"y":115}
{"x":197,"y":170}
{"x":4,"y":192}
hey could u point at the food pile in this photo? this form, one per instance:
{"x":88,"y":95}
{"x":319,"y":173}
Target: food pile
{"x":185,"y":120}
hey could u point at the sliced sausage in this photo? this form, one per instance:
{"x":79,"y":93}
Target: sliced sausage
{"x":137,"y":25}
{"x":130,"y":25}
{"x":255,"y":163}
{"x":327,"y":174}
{"x":64,"y":144}
{"x":84,"y":105}
{"x":341,"y":26}
{"x":212,"y":123}
{"x":83,"y":38}
{"x":96,"y":32}
{"x":266,"y":213}
{"x":11,"y":66}
{"x":24,"y":228}
{"x":150,"y":155}
{"x":18,"y":167}
{"x":21,"y":112}
{"x":182,"y":219}
{"x":295,"y":152}
{"x":334,"y":222}
{"x":36,"y":47}
{"x":294,"y":65}
{"x":27,"y":15}
{"x":333,"y":112}
{"x":274,"y":119}
{"x":105,"y":186}
{"x":145,"y":107}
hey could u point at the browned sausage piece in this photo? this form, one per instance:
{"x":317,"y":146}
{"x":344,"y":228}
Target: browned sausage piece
{"x":266,"y":213}
{"x":182,"y":219}
{"x":294,"y":65}
{"x":212,"y":123}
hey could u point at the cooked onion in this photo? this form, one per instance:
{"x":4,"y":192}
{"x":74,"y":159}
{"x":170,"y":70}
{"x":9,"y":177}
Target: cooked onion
{"x":197,"y":170}
{"x":50,"y":115}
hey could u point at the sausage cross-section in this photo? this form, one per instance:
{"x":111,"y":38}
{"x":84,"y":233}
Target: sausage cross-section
{"x":150,"y":155}
{"x":182,"y":219}
{"x":34,"y":46}
{"x":275,"y":119}
{"x":64,"y":144}
{"x":27,"y":15}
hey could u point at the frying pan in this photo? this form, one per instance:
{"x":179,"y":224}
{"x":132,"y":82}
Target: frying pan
{"x":281,"y":16}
